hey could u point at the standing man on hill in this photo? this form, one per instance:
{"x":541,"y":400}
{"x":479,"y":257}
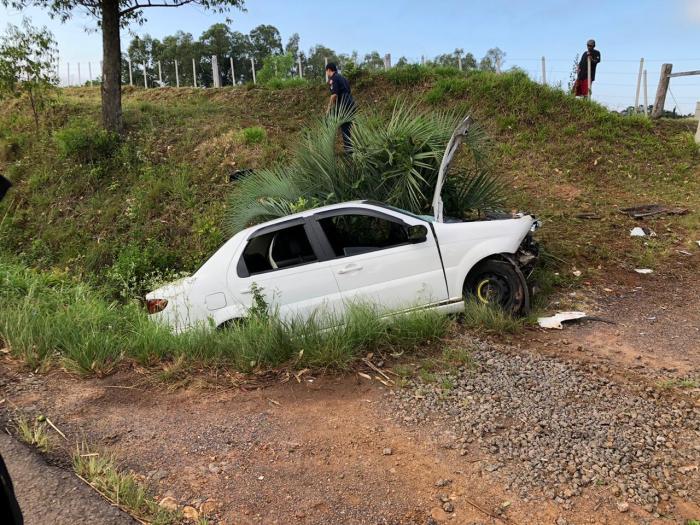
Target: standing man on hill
{"x":341,"y":100}
{"x":582,"y":85}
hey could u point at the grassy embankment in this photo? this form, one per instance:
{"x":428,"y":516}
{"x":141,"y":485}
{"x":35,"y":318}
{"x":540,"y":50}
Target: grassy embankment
{"x":111,"y":217}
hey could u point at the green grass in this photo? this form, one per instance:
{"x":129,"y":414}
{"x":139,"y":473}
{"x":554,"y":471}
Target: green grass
{"x":680,"y":383}
{"x":48,"y":319}
{"x":254,"y":135}
{"x":489,"y":319}
{"x":33,"y":432}
{"x":120,"y":487}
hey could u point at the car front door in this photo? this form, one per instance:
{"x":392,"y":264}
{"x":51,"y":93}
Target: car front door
{"x":374,"y":262}
{"x":283,"y":263}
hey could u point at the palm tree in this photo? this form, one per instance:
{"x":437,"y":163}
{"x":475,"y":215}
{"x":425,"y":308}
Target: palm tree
{"x":395,"y":161}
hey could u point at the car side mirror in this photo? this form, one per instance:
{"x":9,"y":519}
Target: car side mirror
{"x":417,"y":233}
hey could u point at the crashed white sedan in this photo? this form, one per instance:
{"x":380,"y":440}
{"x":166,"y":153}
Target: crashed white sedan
{"x":324,"y":259}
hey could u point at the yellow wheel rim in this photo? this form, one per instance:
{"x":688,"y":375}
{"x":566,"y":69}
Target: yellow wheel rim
{"x":480,"y":291}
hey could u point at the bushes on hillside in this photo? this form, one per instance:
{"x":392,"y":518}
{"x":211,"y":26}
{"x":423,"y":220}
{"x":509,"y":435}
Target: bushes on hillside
{"x":85,"y":141}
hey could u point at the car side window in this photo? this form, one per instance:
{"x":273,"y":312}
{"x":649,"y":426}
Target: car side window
{"x":354,"y":234}
{"x":277,"y":250}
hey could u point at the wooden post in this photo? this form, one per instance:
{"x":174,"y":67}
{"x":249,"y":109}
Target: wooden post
{"x":252,"y":66}
{"x":301,"y":71}
{"x":90,"y":73}
{"x":661,"y":91}
{"x":639,"y":84}
{"x":177,"y":76}
{"x":145,"y":76}
{"x":233,"y":72}
{"x":590,"y":80}
{"x":194,"y":73}
{"x":215,"y":71}
{"x":544,"y":73}
{"x":131,"y":75}
{"x":646,"y":102}
{"x":160,"y":75}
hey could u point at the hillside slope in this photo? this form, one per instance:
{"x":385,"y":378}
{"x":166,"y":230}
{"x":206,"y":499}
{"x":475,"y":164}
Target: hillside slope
{"x":155,"y":201}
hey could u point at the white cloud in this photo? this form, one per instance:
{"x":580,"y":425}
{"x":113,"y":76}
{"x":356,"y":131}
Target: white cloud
{"x":692,"y":10}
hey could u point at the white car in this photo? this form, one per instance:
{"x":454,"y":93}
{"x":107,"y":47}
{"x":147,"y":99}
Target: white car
{"x":324,"y":259}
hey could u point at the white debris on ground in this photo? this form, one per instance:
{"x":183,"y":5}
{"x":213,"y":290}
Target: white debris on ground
{"x":644,"y":271}
{"x":555,"y":321}
{"x":637,"y":232}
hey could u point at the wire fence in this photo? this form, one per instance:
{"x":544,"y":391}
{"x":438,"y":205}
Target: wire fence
{"x":620,"y":85}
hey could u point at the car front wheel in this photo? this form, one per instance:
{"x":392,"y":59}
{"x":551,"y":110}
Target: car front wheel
{"x":498,"y":283}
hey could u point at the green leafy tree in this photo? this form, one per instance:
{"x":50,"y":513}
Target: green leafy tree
{"x":315,"y":65}
{"x":111,"y":16}
{"x":292,"y":46}
{"x":216,"y":41}
{"x":276,"y":66}
{"x":373,"y":61}
{"x":264,"y":40}
{"x":493,"y":60}
{"x":28,"y":60}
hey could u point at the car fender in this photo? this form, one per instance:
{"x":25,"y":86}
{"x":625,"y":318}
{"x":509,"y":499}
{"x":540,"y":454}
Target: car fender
{"x":483,"y":250}
{"x":234,"y":311}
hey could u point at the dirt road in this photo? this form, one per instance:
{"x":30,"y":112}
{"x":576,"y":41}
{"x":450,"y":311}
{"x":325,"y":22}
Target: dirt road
{"x":340,"y":450}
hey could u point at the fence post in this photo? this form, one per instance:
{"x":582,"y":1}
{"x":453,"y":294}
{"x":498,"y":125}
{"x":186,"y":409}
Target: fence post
{"x":145,"y":76}
{"x":639,"y":85}
{"x":177,"y":76}
{"x":160,"y":75}
{"x":697,"y":116}
{"x":78,"y":74}
{"x":459,"y":62}
{"x":544,"y":72}
{"x":102,"y":76}
{"x":194,"y":73}
{"x":498,"y":65}
{"x":68,"y":80}
{"x":387,"y":61}
{"x":325,"y":60}
{"x":646,"y":102}
{"x":90,"y":73}
{"x":301,"y":72}
{"x":215,"y":71}
{"x":661,"y":91}
{"x":422,"y":60}
{"x":233,"y":73}
{"x":252,"y":66}
{"x":131,"y":76}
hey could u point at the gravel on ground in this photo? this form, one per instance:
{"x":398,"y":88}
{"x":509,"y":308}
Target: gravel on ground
{"x":549,"y":428}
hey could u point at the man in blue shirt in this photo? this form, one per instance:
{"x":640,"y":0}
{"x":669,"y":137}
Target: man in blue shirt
{"x":341,"y":100}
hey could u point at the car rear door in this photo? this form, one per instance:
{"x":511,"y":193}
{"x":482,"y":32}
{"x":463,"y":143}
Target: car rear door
{"x":283,"y":262}
{"x":374,"y":262}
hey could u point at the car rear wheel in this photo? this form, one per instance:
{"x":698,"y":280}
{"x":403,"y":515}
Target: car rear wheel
{"x":498,"y":283}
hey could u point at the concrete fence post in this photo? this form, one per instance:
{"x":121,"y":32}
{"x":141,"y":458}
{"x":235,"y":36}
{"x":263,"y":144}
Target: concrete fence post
{"x":194,"y":73}
{"x":177,"y":76}
{"x":301,"y":72}
{"x":325,"y":60}
{"x":145,"y":76}
{"x":544,"y":72}
{"x":160,"y":75}
{"x":131,"y":74}
{"x":459,"y":62}
{"x":252,"y":66}
{"x":697,"y":116}
{"x":639,"y":85}
{"x":78,"y":74}
{"x":233,"y":73}
{"x":90,"y":73}
{"x":68,"y":79}
{"x":646,"y":101}
{"x":215,"y":71}
{"x":387,"y":61}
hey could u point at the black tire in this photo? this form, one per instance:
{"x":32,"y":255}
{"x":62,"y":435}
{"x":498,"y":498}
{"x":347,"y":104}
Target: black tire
{"x":499,"y":283}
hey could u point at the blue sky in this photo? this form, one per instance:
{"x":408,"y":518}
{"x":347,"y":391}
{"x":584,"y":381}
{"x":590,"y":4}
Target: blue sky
{"x":658,"y":30}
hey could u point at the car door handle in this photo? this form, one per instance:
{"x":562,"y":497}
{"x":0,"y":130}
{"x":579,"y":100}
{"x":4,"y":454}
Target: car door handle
{"x":350,"y":268}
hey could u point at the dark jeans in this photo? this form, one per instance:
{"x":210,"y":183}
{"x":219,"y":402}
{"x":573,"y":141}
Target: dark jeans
{"x":346,"y":129}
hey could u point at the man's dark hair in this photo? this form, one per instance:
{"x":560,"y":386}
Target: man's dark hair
{"x":331,"y":66}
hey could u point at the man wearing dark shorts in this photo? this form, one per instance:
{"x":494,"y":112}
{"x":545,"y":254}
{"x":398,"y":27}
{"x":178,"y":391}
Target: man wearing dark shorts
{"x":582,"y":86}
{"x":341,"y":99}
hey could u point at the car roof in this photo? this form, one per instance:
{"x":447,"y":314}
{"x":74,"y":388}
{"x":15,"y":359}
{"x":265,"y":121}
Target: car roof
{"x":348,"y":204}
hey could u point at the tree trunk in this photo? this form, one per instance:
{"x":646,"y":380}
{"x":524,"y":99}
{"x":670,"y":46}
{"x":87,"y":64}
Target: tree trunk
{"x":111,"y":67}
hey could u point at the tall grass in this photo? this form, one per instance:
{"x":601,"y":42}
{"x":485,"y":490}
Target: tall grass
{"x":46,"y":319}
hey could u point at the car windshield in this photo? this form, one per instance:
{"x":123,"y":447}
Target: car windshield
{"x":427,"y":218}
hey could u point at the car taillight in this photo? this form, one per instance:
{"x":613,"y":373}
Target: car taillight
{"x":156,"y":305}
